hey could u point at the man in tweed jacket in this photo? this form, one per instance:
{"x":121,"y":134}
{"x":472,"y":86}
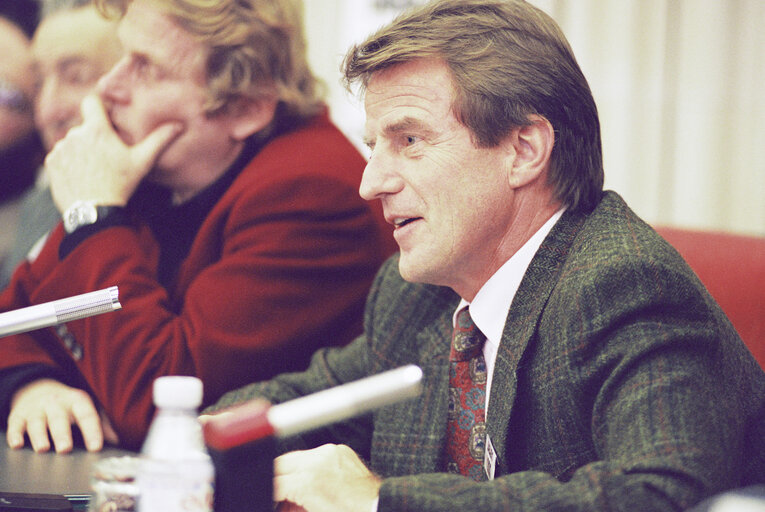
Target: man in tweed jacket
{"x":617,"y":383}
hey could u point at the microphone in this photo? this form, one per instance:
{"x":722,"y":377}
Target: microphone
{"x":257,"y":419}
{"x":59,"y":311}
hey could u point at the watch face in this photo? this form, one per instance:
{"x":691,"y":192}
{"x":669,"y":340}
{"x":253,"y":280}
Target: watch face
{"x":79,"y":214}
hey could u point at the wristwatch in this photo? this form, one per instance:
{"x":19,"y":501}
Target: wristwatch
{"x":84,"y":213}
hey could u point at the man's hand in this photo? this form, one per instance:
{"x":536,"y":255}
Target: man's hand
{"x":92,"y":163}
{"x":48,"y":405}
{"x":328,"y":478}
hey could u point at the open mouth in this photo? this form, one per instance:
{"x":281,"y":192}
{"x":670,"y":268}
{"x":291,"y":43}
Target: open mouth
{"x":400,"y":223}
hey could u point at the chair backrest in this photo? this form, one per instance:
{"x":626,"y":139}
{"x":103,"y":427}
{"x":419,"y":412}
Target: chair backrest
{"x":732,"y":267}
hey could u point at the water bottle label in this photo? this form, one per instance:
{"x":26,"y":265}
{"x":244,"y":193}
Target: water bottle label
{"x":171,"y":494}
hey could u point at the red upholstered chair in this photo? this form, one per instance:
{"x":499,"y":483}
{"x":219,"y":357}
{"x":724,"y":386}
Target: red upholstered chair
{"x":732,"y":267}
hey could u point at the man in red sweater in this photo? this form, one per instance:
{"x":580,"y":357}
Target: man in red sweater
{"x":208,"y":183}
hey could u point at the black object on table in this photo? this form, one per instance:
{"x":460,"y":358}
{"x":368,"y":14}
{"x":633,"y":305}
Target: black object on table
{"x":244,"y":476}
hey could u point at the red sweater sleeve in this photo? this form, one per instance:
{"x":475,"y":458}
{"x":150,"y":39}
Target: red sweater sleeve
{"x":281,"y":266}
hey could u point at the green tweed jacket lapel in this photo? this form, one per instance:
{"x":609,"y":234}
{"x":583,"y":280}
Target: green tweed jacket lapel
{"x":521,"y":326}
{"x":434,"y":347}
{"x":412,"y":324}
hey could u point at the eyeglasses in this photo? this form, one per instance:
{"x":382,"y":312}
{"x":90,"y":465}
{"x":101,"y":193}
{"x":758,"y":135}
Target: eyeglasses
{"x":13,"y":98}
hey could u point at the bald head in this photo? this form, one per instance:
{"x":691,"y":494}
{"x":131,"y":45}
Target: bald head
{"x":72,"y":49}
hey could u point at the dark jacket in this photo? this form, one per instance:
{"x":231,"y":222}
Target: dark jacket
{"x":619,"y":383}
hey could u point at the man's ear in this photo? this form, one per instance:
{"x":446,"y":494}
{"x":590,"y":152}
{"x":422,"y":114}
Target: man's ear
{"x":249,"y":116}
{"x":531,"y":149}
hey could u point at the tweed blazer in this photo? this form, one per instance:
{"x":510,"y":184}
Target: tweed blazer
{"x":619,"y":383}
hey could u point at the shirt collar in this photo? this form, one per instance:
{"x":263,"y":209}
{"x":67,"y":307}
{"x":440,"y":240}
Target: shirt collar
{"x":492,"y":302}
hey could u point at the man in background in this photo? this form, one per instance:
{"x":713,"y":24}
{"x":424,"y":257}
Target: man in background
{"x":207,"y":182}
{"x":20,"y":148}
{"x":72,"y":48}
{"x":572,"y":361}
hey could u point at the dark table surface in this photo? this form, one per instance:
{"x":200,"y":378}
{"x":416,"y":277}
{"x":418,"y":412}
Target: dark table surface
{"x":24,"y":471}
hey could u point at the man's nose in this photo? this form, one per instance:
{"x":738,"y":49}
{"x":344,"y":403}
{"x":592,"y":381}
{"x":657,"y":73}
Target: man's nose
{"x":48,"y":105}
{"x":113,"y":85}
{"x":380,"y":178}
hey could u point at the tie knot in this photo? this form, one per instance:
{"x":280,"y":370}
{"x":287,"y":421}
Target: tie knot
{"x":467,"y":340}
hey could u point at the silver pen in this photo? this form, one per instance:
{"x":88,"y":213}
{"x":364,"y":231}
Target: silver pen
{"x":59,"y":311}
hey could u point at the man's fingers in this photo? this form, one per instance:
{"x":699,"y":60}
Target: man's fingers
{"x":60,"y":429}
{"x":93,"y":109}
{"x":85,"y":415}
{"x":110,"y":435}
{"x":45,"y":406}
{"x":327,"y":478}
{"x":15,"y":432}
{"x":286,"y":506}
{"x":15,"y":440}
{"x":293,"y":462}
{"x":279,"y":488}
{"x":287,"y":463}
{"x":146,"y":152}
{"x":286,"y":490}
{"x":291,"y":474}
{"x":37,"y":429}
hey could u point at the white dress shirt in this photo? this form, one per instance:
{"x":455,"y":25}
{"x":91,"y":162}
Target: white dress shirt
{"x":492,"y":302}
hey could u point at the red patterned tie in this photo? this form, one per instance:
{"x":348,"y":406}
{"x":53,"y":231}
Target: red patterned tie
{"x":466,"y":428}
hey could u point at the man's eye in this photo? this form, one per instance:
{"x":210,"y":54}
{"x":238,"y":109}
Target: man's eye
{"x":143,"y":68}
{"x":411,"y":139}
{"x":78,"y":77}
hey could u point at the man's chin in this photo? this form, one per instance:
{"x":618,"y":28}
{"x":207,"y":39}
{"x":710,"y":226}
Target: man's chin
{"x":409,"y":269}
{"x":155,"y":176}
{"x":52,"y":138}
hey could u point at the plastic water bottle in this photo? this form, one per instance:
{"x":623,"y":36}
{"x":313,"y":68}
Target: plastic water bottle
{"x":175,"y":472}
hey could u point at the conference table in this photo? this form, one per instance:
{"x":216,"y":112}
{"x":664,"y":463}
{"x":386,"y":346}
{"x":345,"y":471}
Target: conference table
{"x":50,"y":474}
{"x":68,"y":475}
{"x":243,"y":475}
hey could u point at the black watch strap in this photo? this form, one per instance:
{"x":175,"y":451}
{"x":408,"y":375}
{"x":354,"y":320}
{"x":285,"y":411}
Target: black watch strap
{"x":106,"y":217}
{"x":84,"y":213}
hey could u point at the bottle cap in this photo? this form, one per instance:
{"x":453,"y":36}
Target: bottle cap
{"x":178,"y":392}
